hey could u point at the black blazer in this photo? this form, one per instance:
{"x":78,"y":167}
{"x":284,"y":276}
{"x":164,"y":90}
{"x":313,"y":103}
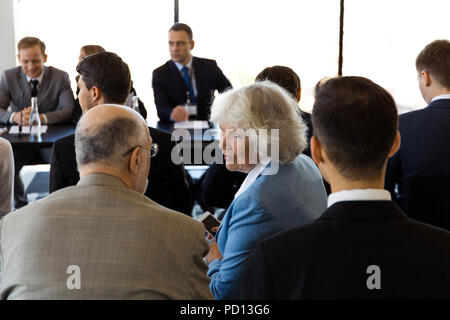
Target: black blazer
{"x":167,"y":182}
{"x":329,"y":258}
{"x":424,"y":149}
{"x":170,"y":89}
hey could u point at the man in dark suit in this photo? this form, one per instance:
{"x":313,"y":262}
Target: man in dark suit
{"x":363,"y":246}
{"x":105,"y":78}
{"x":52,"y":88}
{"x":425,"y":133}
{"x":186,"y":80}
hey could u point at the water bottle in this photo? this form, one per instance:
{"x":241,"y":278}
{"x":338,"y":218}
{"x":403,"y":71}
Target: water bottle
{"x":136,"y":104}
{"x":35,"y":120}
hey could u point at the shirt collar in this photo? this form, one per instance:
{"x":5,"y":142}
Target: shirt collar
{"x":180,"y":66}
{"x":442,"y":96}
{"x":39,"y":78}
{"x":359,"y":195}
{"x":252,"y":176}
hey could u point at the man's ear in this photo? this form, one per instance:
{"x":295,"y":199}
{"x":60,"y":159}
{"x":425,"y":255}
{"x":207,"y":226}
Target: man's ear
{"x":426,"y":78}
{"x":316,"y":151}
{"x":135,"y":160}
{"x":192,"y":44}
{"x":395,"y":145}
{"x":299,"y":94}
{"x":96,"y":94}
{"x":45,"y":58}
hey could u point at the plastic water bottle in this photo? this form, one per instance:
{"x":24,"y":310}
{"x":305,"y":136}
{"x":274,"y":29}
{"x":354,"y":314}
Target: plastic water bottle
{"x":35,"y":120}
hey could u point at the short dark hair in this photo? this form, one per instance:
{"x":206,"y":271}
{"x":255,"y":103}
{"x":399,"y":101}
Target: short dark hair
{"x":29,"y":42}
{"x":356,"y":122}
{"x":435,"y":58}
{"x":285,"y":77}
{"x":109,"y":73}
{"x":182,"y":27}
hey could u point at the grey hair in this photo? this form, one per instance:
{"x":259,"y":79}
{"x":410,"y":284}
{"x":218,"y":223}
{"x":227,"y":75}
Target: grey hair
{"x":264,"y":105}
{"x":106,"y":143}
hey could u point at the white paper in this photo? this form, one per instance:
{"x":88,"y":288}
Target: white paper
{"x":195,"y":124}
{"x":25,"y":129}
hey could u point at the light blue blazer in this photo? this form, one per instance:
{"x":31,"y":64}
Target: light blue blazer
{"x":293,"y":197}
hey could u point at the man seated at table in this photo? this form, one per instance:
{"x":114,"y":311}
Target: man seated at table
{"x":52,"y":88}
{"x":105,"y":78}
{"x":363,"y":246}
{"x":185,"y":79}
{"x":6,"y":177}
{"x":103,"y":239}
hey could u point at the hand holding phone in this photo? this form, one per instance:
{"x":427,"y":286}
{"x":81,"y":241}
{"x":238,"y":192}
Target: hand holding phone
{"x":210,"y":222}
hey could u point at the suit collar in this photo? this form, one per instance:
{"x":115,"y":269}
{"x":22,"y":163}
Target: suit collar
{"x":439,"y":103}
{"x":43,"y":84}
{"x":100,"y":179}
{"x":363,"y":210}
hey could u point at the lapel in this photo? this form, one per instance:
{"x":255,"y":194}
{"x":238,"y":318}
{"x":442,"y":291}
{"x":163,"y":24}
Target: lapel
{"x":44,"y":83}
{"x":25,"y":90}
{"x":198,"y":74}
{"x":175,"y":75}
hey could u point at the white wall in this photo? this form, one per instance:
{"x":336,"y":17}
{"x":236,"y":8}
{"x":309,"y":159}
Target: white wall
{"x":7,"y":39}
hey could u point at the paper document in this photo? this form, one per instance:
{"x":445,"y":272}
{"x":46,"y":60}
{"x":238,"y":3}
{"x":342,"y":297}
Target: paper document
{"x":25,"y":129}
{"x":195,"y":124}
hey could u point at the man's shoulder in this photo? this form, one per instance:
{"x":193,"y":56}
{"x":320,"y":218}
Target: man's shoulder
{"x":12,"y":73}
{"x":163,"y":68}
{"x":55,"y":72}
{"x":204,"y":61}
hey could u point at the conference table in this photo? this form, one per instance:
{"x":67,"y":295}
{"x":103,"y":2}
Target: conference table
{"x":193,"y":140}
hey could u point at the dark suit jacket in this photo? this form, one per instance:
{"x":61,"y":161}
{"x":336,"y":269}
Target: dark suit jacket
{"x":329,"y":258}
{"x":424,"y":149}
{"x":167,"y":182}
{"x":170,"y":89}
{"x":55,"y":96}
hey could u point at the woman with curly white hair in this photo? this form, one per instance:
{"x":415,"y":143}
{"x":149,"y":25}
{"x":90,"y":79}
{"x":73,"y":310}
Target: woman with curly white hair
{"x":263,"y":136}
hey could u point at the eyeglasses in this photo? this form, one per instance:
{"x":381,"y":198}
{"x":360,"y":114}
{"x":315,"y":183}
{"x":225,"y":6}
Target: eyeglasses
{"x":153,"y":150}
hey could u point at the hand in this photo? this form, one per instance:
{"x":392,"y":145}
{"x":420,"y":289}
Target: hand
{"x":22,"y":119}
{"x":214,"y":252}
{"x":179,"y":113}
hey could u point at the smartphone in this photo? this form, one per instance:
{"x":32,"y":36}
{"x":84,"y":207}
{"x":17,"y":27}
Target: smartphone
{"x":209,"y":221}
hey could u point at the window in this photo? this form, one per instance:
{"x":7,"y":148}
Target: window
{"x":383,"y":38}
{"x":136,"y":30}
{"x":244,"y":37}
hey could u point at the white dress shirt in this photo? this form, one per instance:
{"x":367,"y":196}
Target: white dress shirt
{"x":442,"y":96}
{"x":39,"y":79}
{"x":359,"y":195}
{"x":191,"y":74}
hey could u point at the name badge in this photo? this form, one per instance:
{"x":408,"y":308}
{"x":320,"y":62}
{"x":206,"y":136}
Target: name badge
{"x":191,"y":109}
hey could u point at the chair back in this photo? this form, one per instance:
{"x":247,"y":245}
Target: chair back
{"x":429,"y":201}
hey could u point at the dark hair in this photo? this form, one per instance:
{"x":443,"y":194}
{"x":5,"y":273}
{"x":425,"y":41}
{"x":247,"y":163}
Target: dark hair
{"x":29,"y":42}
{"x":356,"y":122}
{"x":182,"y":27}
{"x":92,"y":48}
{"x":109,"y":73}
{"x":435,"y":58}
{"x":283,"y":76}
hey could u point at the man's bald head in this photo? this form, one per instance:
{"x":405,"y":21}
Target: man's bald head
{"x":106,"y":132}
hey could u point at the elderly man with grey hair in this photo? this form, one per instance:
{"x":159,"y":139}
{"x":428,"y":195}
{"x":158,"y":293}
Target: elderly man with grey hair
{"x":103,"y":239}
{"x":6,"y":177}
{"x":263,"y":136}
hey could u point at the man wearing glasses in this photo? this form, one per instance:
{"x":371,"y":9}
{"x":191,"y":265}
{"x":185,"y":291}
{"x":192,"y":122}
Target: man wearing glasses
{"x":105,"y":78}
{"x":103,"y":239}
